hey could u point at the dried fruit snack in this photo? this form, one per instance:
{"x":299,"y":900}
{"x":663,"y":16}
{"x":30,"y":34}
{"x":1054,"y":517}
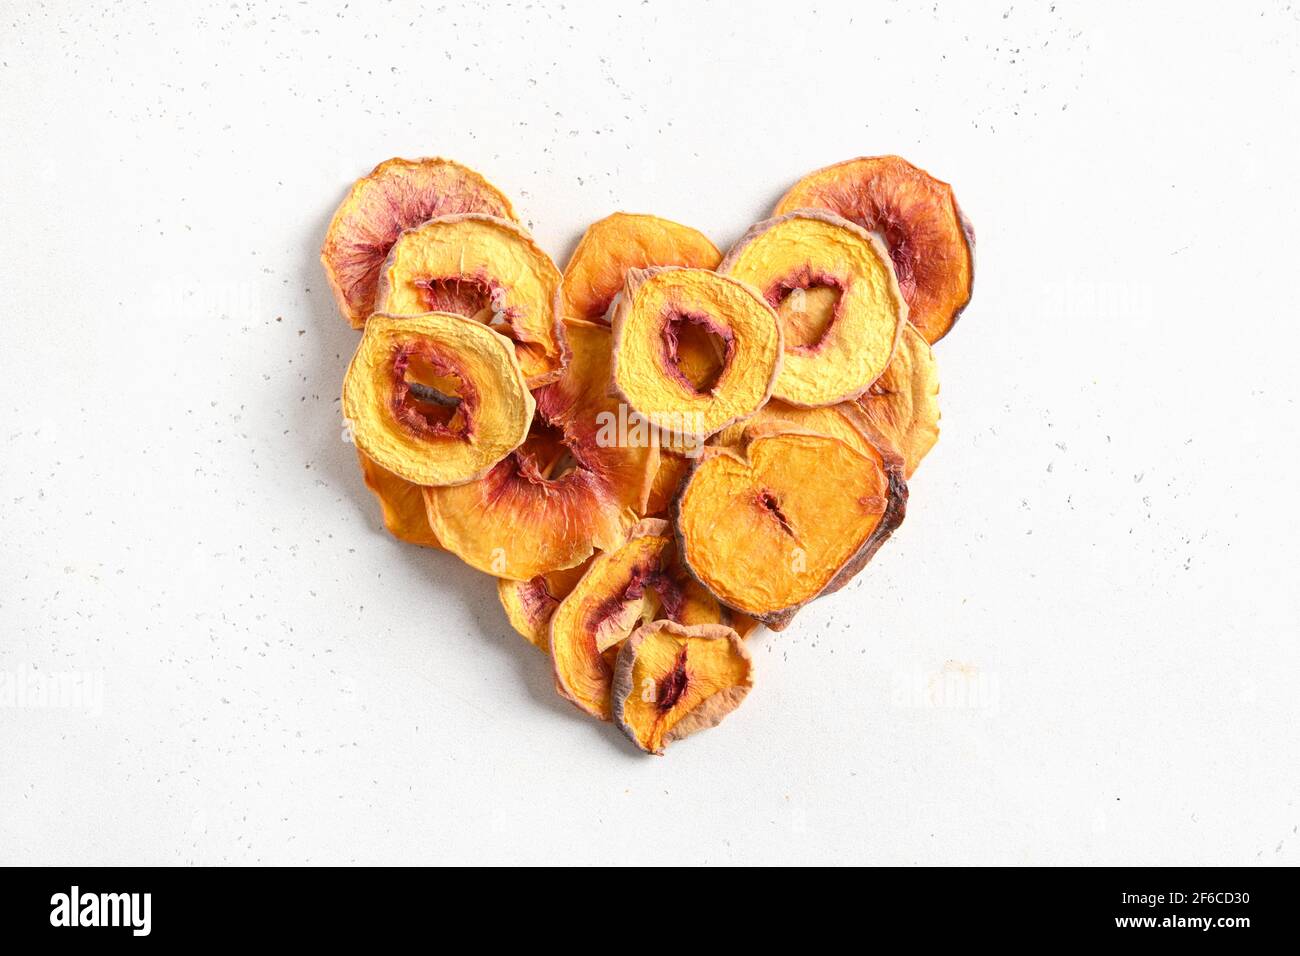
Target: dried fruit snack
{"x":671,"y":681}
{"x":485,"y":267}
{"x":788,"y":517}
{"x":929,"y":239}
{"x":435,"y":399}
{"x":659,"y":306}
{"x":397,"y":195}
{"x":833,"y":286}
{"x":623,"y":241}
{"x":903,"y":404}
{"x":401,"y":502}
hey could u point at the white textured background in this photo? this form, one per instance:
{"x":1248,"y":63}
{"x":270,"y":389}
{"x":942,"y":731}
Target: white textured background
{"x":1080,"y":647}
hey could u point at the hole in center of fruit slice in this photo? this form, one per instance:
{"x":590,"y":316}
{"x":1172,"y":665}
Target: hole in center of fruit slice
{"x":545,"y":454}
{"x":430,"y":397}
{"x":806,"y":306}
{"x":463,"y":295}
{"x":696,"y":350}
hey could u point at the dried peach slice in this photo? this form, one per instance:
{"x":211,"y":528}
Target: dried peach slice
{"x":402,"y":504}
{"x":485,"y":267}
{"x":903,"y":404}
{"x":566,"y":491}
{"x":530,"y":604}
{"x":658,"y":310}
{"x":640,"y":581}
{"x":398,"y":194}
{"x":791,"y":516}
{"x":931,"y":243}
{"x":671,"y":681}
{"x":437,"y":399}
{"x":833,"y":287}
{"x":611,"y":246}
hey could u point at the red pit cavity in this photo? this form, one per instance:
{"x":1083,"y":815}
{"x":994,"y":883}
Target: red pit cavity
{"x":808,"y":303}
{"x":670,"y":689}
{"x":431,"y":396}
{"x":709,"y":344}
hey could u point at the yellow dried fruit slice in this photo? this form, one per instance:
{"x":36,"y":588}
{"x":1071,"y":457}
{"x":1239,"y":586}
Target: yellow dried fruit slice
{"x":671,"y":681}
{"x":662,"y":307}
{"x":623,"y":241}
{"x":833,"y":287}
{"x":436,"y":399}
{"x":791,"y":516}
{"x":402,"y":504}
{"x":837,"y":421}
{"x":397,"y":195}
{"x":640,"y":581}
{"x":930,"y":241}
{"x":568,"y":490}
{"x":903,"y":404}
{"x":483,"y":267}
{"x":530,"y":604}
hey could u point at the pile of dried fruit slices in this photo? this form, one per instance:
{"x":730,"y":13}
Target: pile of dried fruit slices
{"x":661,"y":448}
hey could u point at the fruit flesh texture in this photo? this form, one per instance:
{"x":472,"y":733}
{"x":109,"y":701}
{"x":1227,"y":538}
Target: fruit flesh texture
{"x":623,"y":241}
{"x":833,"y":286}
{"x":903,"y":404}
{"x":486,"y":268}
{"x":929,"y":240}
{"x":673,"y":681}
{"x":530,"y":604}
{"x":396,"y":195}
{"x":768,"y":531}
{"x":401,"y":502}
{"x":649,"y":325}
{"x":402,"y":365}
{"x":641,"y":581}
{"x":832,"y":420}
{"x":526,"y":517}
{"x":668,"y":479}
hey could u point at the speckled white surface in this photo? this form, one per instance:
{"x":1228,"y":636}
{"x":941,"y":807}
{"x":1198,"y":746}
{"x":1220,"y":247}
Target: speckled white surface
{"x":1081,"y":646}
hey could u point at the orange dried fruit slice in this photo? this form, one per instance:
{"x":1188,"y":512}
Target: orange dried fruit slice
{"x":623,"y":241}
{"x":483,"y":267}
{"x":790,"y":516}
{"x":661,"y":308}
{"x":833,"y":287}
{"x":436,"y":399}
{"x":671,"y":681}
{"x":837,"y":421}
{"x":568,"y":490}
{"x":397,"y":195}
{"x":931,"y":242}
{"x":401,"y":502}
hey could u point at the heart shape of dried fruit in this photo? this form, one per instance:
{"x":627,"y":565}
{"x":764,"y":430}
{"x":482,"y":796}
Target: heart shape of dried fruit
{"x":660,"y":449}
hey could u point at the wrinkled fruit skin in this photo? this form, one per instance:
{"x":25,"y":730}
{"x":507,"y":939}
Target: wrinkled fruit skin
{"x":792,"y":516}
{"x":623,"y":241}
{"x":639,"y":582}
{"x":397,"y":195}
{"x":482,"y":267}
{"x":903,"y":404}
{"x":672,"y":680}
{"x":837,"y":421}
{"x":435,"y":399}
{"x":832,"y":283}
{"x":656,"y":311}
{"x":930,"y":241}
{"x":524,"y":518}
{"x":401,"y":502}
